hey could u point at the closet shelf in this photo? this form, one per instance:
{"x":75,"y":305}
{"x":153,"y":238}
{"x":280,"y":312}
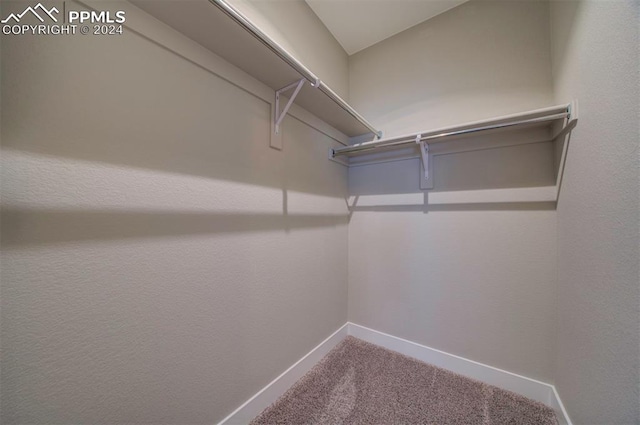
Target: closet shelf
{"x":548,"y":117}
{"x":509,"y":175}
{"x":221,"y":28}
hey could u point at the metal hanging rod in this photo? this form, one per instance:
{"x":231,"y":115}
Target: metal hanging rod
{"x":425,"y":137}
{"x":289,"y":59}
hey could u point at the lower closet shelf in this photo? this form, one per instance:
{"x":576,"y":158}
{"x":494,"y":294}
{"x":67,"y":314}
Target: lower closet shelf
{"x":485,"y":196}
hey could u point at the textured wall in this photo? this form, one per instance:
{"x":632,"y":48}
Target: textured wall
{"x":596,"y":61}
{"x":472,"y":280}
{"x":479,"y":60}
{"x":296,"y":27}
{"x":475,"y":284}
{"x":160,"y":262}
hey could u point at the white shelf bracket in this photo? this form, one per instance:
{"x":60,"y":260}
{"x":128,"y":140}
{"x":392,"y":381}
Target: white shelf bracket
{"x":424,"y":154}
{"x":279,"y":116}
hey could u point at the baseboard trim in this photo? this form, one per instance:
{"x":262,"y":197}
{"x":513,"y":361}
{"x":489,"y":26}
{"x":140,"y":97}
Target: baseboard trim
{"x":270,"y":393}
{"x":536,"y":390}
{"x":558,"y":407}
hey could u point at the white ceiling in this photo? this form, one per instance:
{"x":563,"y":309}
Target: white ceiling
{"x":358,"y":24}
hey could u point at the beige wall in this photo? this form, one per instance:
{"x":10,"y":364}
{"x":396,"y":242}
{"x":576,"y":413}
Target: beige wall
{"x":595,"y":46}
{"x":479,"y":60}
{"x":160,"y":262}
{"x":473,"y":280}
{"x":293,"y":25}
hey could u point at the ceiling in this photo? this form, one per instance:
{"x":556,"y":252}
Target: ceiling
{"x":358,"y":24}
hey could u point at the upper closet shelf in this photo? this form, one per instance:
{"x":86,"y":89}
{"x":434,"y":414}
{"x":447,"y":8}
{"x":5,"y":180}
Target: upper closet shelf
{"x":221,"y":28}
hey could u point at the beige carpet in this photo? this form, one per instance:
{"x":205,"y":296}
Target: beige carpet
{"x":360,"y":383}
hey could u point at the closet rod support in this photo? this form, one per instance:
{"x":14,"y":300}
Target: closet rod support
{"x":279,"y":116}
{"x":424,"y":154}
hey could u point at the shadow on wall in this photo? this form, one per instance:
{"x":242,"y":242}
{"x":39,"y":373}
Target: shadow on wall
{"x":64,"y":97}
{"x":64,"y":102}
{"x":24,"y":227}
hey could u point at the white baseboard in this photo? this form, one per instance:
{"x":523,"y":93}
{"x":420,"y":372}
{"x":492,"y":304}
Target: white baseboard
{"x":536,"y":390}
{"x":558,"y":407}
{"x":266,"y":396}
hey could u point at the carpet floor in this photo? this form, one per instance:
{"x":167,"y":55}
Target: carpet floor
{"x":361,"y":383}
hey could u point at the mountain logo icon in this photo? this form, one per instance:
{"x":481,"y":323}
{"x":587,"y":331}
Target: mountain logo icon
{"x":34,"y":11}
